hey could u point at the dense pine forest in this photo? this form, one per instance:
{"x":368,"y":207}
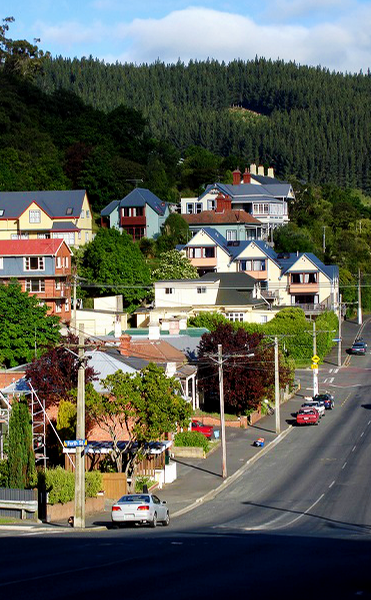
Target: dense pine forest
{"x":306,"y":122}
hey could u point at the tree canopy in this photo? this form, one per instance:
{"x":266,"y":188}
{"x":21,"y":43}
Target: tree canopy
{"x":25,"y":327}
{"x":21,"y":457}
{"x":144,"y":406}
{"x":173,"y":265}
{"x":114,"y":264}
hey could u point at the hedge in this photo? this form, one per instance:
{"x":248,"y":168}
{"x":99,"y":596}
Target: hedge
{"x":191,"y":438}
{"x":60,"y":484}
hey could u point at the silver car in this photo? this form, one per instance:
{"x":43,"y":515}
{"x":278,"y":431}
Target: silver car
{"x":140,"y":508}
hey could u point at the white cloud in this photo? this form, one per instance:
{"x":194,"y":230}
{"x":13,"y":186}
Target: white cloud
{"x":201,"y":33}
{"x":282,"y":10}
{"x":68,"y":35}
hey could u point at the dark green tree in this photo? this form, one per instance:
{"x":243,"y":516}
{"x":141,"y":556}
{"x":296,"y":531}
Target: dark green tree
{"x":21,"y":458}
{"x":24,"y":326}
{"x":115,"y":264}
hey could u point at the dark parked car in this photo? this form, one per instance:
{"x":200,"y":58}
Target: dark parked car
{"x":358,"y":348}
{"x":327,"y":399}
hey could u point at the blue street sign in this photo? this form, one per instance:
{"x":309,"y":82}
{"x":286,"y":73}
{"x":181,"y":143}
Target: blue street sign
{"x":74,"y":443}
{"x":337,"y":340}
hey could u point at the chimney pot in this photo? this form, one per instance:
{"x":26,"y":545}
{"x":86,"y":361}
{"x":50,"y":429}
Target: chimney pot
{"x":236,"y":177}
{"x":261,"y":170}
{"x":246,"y":177}
{"x":125,"y":341}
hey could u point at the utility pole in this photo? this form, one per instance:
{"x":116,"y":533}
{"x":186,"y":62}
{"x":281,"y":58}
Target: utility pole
{"x":324,"y":239}
{"x":222,"y":418}
{"x":79,"y":520}
{"x":315,"y":369}
{"x":359,"y":298}
{"x":339,"y":337}
{"x":277,"y":386}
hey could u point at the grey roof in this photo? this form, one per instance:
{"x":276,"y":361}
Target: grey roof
{"x":109,"y":208}
{"x":231,"y":280}
{"x":56,"y":204}
{"x":250,"y":191}
{"x":64,"y":226}
{"x":142,"y":196}
{"x":105,"y":364}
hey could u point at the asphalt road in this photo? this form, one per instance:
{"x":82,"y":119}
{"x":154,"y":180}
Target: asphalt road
{"x":297,"y":524}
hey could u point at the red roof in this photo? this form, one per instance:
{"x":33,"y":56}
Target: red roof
{"x":30,"y":247}
{"x":210,"y":217}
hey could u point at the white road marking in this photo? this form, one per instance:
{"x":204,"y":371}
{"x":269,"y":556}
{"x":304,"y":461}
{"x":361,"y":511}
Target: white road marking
{"x":344,"y":465}
{"x":336,"y":371}
{"x":331,"y":380}
{"x":331,"y":484}
{"x":362,"y":434}
{"x":354,"y":447}
{"x":325,"y":380}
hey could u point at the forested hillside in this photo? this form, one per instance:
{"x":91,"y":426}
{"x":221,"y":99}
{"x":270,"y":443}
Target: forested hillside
{"x":310,"y":123}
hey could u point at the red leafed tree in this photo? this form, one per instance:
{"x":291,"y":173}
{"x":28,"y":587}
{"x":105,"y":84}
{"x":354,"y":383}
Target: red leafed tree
{"x":54,"y":375}
{"x":248,"y":368}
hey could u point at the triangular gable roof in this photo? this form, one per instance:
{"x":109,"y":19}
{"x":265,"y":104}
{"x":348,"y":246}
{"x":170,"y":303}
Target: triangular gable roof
{"x":263,"y":246}
{"x":42,"y":247}
{"x":250,"y":191}
{"x":142,"y":196}
{"x":287,"y":265}
{"x":56,"y":204}
{"x":215,"y":236}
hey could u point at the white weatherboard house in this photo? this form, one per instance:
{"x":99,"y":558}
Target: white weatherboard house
{"x":264,"y":197}
{"x":283,"y":279}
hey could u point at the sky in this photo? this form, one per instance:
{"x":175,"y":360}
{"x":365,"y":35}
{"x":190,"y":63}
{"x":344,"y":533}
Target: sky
{"x":334,"y":34}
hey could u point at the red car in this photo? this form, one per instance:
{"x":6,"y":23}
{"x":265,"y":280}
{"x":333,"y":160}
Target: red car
{"x":307,"y":416}
{"x":206,"y":430}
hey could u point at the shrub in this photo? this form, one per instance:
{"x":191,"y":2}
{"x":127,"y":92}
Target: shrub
{"x":141,"y":481}
{"x":60,"y":484}
{"x":93,"y":483}
{"x":4,"y":473}
{"x":191,"y":438}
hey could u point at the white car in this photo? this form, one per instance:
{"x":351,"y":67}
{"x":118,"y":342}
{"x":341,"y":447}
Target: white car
{"x":140,"y":508}
{"x":320,"y":406}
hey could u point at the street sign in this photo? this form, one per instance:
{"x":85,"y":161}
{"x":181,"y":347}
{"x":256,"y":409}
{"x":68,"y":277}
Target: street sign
{"x":315,"y":358}
{"x":337,"y":340}
{"x":74,"y":443}
{"x":315,"y":366}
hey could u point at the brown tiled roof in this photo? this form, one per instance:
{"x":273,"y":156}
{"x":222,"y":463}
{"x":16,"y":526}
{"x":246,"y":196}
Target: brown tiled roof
{"x":210,"y":217}
{"x":157,"y":351}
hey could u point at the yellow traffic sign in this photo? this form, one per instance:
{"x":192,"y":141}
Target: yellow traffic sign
{"x":315,"y":358}
{"x":314,"y":366}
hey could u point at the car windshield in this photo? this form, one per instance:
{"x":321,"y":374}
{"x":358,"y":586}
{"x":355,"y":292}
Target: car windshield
{"x":134,"y":498}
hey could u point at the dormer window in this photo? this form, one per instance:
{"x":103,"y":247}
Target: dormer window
{"x":82,"y":214}
{"x":69,"y":210}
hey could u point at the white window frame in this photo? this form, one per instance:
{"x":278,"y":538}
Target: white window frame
{"x":190,"y":208}
{"x":58,"y":263}
{"x":235,"y":317}
{"x":57,"y":284}
{"x":31,"y":282}
{"x":169,"y":290}
{"x":58,"y":306}
{"x":66,"y":262}
{"x":211,"y":204}
{"x":87,"y":213}
{"x":1,"y":262}
{"x":40,"y":263}
{"x":231,"y":235}
{"x":201,"y":290}
{"x":34,"y":215}
{"x":82,"y":214}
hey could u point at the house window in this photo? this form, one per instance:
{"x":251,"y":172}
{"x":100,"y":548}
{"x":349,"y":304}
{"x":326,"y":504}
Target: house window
{"x":66,"y":305}
{"x":86,"y":236}
{"x":258,"y":265}
{"x":231,"y":235}
{"x":211,"y":205}
{"x":87,"y":213}
{"x":201,"y":290}
{"x":304,"y":277}
{"x":14,"y":236}
{"x":66,"y":262}
{"x":235,"y":316}
{"x":43,"y":236}
{"x":189,"y":208}
{"x":35,"y":285}
{"x":263,"y":319}
{"x":198,"y":207}
{"x":261,"y":209}
{"x":58,"y":306}
{"x":57,"y":284}
{"x":59,"y":262}
{"x":34,"y":263}
{"x":35,"y":216}
{"x":1,"y":262}
{"x":79,"y":235}
{"x":169,"y":290}
{"x":1,"y":212}
{"x":245,"y":265}
{"x":82,"y":215}
{"x":210,"y":252}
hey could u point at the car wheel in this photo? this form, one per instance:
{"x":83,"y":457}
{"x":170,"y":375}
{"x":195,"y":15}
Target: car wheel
{"x":154,"y":520}
{"x":167,"y":519}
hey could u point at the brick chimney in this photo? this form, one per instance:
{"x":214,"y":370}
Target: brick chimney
{"x":223,"y":203}
{"x":253,"y":169}
{"x":246,"y":176}
{"x":125,"y":344}
{"x":236,"y":177}
{"x":270,"y":172}
{"x":261,"y":170}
